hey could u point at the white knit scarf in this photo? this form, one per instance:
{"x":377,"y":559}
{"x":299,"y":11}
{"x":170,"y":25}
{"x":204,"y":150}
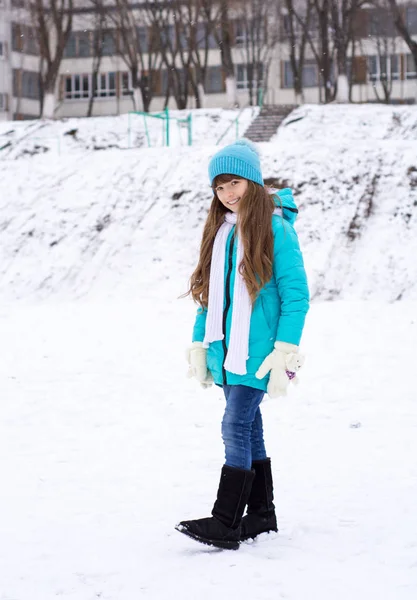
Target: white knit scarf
{"x":238,"y":350}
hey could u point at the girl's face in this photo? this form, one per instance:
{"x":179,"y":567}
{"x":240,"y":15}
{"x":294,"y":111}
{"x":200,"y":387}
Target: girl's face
{"x":232,"y":192}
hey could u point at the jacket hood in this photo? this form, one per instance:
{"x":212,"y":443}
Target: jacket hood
{"x":285,"y":199}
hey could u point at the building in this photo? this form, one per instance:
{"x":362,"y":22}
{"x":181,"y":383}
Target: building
{"x":375,"y":72}
{"x":19,"y":63}
{"x":5,"y":67}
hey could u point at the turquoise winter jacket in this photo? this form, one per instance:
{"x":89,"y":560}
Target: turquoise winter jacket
{"x":279,"y":311}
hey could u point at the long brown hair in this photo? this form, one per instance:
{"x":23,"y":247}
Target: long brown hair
{"x":255,"y":231}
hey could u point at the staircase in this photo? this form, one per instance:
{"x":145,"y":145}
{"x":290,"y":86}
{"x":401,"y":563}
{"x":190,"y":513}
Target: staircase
{"x":267,"y":122}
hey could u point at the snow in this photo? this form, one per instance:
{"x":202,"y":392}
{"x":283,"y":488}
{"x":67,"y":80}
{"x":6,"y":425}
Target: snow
{"x":72,"y":135}
{"x":105,"y":445}
{"x":104,"y":442}
{"x":90,"y":222}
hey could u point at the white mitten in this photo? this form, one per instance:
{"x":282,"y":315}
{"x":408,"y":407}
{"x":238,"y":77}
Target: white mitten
{"x":283,"y":362}
{"x":197,"y":360}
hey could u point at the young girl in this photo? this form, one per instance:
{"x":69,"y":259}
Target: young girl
{"x":252,"y":290}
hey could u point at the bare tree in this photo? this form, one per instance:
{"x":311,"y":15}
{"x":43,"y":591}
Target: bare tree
{"x":224,"y":39}
{"x":326,"y":50}
{"x":343,"y":14}
{"x":296,"y":36}
{"x":259,"y":35}
{"x":184,"y":33}
{"x":138,"y":44}
{"x":195,"y":21}
{"x":209,"y":35}
{"x":53,"y":21}
{"x":317,"y":34}
{"x":173,"y":48}
{"x":100,"y":24}
{"x":403,"y":30}
{"x":186,"y":15}
{"x":383,"y":33}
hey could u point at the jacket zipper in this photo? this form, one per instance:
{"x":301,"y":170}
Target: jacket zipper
{"x":227,"y":306}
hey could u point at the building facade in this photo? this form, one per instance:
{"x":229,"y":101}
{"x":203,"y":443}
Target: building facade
{"x":5,"y":67}
{"x":374,"y":73}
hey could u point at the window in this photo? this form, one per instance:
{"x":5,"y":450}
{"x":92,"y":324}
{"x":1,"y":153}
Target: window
{"x":24,"y":39}
{"x":410,"y":67}
{"x":70,"y":50}
{"x":3,"y":100}
{"x":288,"y":75}
{"x":241,"y":33}
{"x":313,"y":27}
{"x":167,"y":37}
{"x":246,"y":72}
{"x":109,"y":46}
{"x":310,"y":74}
{"x":162,"y":82}
{"x":411,"y":19}
{"x":142,"y":39}
{"x":126,"y":84}
{"x":214,"y":80}
{"x":84,"y":44}
{"x":26,"y":84}
{"x":106,"y":85}
{"x":383,"y":68}
{"x":79,"y":86}
{"x":249,"y":31}
{"x":204,"y":38}
{"x":30,"y":85}
{"x":78,"y":45}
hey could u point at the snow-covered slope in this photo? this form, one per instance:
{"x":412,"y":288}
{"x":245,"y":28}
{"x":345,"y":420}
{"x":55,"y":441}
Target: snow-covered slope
{"x":119,"y":221}
{"x":74,"y":135}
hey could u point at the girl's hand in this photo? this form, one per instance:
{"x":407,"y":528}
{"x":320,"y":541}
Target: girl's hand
{"x":283,"y":361}
{"x":197,"y":360}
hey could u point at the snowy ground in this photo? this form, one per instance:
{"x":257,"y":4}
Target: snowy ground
{"x":105,"y":445}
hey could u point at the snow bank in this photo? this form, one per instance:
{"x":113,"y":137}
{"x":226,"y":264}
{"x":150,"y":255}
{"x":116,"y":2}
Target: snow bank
{"x":118,"y":222}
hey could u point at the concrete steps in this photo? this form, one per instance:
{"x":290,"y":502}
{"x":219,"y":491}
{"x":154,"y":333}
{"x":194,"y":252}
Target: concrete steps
{"x":267,"y":122}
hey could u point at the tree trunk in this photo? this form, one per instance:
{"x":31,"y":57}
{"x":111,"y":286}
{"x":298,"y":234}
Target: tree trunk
{"x":145,"y":91}
{"x":326,"y":62}
{"x":404,"y":32}
{"x":299,"y":97}
{"x":226,"y":56}
{"x":201,"y":95}
{"x":96,"y":69}
{"x":58,"y":18}
{"x":342,"y":88}
{"x":231,"y":91}
{"x":48,"y":107}
{"x":137,"y":99}
{"x":137,"y":92}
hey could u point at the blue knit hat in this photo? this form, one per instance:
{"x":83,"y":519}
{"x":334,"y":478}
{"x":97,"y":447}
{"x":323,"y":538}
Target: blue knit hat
{"x":240,"y":158}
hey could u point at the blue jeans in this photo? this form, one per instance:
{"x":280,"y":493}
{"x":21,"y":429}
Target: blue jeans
{"x":242,"y":429}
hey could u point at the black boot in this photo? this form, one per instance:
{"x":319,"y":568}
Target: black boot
{"x":223,"y":528}
{"x":260,"y":516}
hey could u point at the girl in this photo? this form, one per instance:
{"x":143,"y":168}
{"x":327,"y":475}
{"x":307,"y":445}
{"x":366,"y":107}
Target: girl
{"x":252,"y":290}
